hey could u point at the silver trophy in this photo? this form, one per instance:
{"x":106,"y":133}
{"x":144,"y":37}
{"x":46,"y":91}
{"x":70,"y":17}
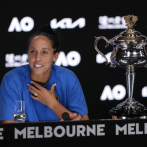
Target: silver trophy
{"x":129,"y":51}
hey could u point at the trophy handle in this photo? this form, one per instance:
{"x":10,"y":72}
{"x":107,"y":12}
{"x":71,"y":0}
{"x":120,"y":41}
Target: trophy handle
{"x":96,"y":48}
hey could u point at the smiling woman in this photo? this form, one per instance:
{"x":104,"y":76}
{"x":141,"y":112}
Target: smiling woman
{"x":41,"y":57}
{"x":47,"y":89}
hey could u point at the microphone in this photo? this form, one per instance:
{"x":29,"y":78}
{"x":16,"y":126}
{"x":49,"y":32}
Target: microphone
{"x":66,"y":116}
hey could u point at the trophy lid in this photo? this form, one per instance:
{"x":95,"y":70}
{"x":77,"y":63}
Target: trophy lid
{"x":130,"y":34}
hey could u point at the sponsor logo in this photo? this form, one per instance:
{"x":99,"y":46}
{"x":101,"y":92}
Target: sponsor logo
{"x":26,"y":24}
{"x":106,"y":22}
{"x":15,"y":60}
{"x":67,"y":23}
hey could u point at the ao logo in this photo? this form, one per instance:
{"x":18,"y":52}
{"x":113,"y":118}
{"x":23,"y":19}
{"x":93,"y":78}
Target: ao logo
{"x":26,"y":24}
{"x":117,"y":93}
{"x":144,"y":92}
{"x":73,"y":58}
{"x":66,"y":23}
{"x":100,"y":59}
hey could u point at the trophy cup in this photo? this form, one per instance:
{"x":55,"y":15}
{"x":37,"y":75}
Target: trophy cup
{"x":129,"y":51}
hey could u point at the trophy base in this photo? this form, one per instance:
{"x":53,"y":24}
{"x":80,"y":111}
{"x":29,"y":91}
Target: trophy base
{"x":127,"y":115}
{"x":135,"y":117}
{"x":129,"y":109}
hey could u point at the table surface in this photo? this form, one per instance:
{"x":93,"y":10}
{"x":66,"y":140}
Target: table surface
{"x":101,"y":131}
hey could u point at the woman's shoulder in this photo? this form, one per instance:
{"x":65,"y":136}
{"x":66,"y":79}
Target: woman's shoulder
{"x":63,"y":70}
{"x":64,"y":75}
{"x":16,"y":73}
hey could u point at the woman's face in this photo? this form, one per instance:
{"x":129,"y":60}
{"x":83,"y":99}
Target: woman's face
{"x":41,"y":55}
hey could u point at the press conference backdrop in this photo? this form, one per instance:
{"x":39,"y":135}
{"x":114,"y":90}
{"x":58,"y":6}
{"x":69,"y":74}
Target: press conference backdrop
{"x":103,"y":87}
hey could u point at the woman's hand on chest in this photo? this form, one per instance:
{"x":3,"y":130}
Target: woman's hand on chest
{"x":41,"y":94}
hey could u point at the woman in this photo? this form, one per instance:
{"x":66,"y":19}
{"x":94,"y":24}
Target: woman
{"x":48,"y":90}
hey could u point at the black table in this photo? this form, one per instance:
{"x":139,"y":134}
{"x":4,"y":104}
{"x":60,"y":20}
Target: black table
{"x":93,"y":132}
